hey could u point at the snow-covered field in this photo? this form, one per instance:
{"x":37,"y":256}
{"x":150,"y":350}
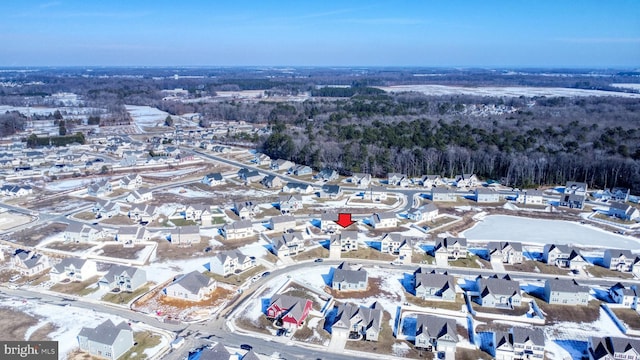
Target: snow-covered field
{"x":505,"y":228}
{"x":498,"y":91}
{"x":70,"y":184}
{"x":627,"y":86}
{"x":146,"y":115}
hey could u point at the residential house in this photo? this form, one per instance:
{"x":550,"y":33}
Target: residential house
{"x":282,"y":223}
{"x":423,"y":213}
{"x":217,"y":352}
{"x":82,"y":233}
{"x":143,"y":213}
{"x":436,"y":334}
{"x":12,"y":190}
{"x":565,"y":292}
{"x":281,"y":164}
{"x":131,"y":235}
{"x":139,"y":196}
{"x":348,"y":278}
{"x":198,"y":212}
{"x":107,"y":340}
{"x":498,"y":292}
{"x":635,"y":268}
{"x":288,"y":244}
{"x":501,"y":346}
{"x":360,"y":180}
{"x":73,"y":269}
{"x":484,"y":195}
{"x":245,"y":209}
{"x":397,"y":244}
{"x":610,"y":348}
{"x":618,"y":260}
{"x":375,"y":194}
{"x":29,"y":263}
{"x":213,"y":179}
{"x":434,"y":286}
{"x":123,"y":278}
{"x":331,"y":192}
{"x":100,"y":188}
{"x":231,"y":261}
{"x":290,"y":203}
{"x":237,"y":230}
{"x":574,"y":195}
{"x":359,"y":320}
{"x":563,"y":256}
{"x":105,"y":209}
{"x":328,"y":222}
{"x":300,"y":170}
{"x":623,"y":211}
{"x":532,"y":197}
{"x":383,"y":220}
{"x":396,"y":179}
{"x":506,"y":252}
{"x":299,"y":188}
{"x":262,"y":159}
{"x":528,"y":343}
{"x":623,"y":295}
{"x":620,"y":194}
{"x":249,"y":176}
{"x":130,"y":182}
{"x":347,"y":240}
{"x":291,"y":310}
{"x":430,"y":181}
{"x":272,"y":182}
{"x":451,"y":247}
{"x":466,"y":180}
{"x":327,"y":175}
{"x":185,"y":235}
{"x":441,"y":194}
{"x":193,"y":286}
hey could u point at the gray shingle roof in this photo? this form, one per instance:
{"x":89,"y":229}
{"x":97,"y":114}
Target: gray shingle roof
{"x":193,"y":281}
{"x":521,"y":335}
{"x":498,"y":287}
{"x":436,"y":327}
{"x":105,"y":333}
{"x":349,"y":276}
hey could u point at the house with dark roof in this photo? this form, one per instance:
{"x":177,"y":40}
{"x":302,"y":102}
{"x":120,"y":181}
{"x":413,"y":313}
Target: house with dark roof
{"x":565,"y":292}
{"x":129,"y":236}
{"x":298,"y":188}
{"x":330,"y":192}
{"x":300,"y":170}
{"x":124,"y":278}
{"x":130,"y":181}
{"x":29,"y":263}
{"x":185,"y":235}
{"x":143,"y":213}
{"x":73,"y":269}
{"x":100,"y":188}
{"x":563,"y":256}
{"x":358,"y":320}
{"x":290,"y":203}
{"x":430,"y":181}
{"x":217,"y":352}
{"x":398,"y":245}
{"x":427,"y":212}
{"x":507,"y":252}
{"x":626,"y":296}
{"x":528,"y":343}
{"x":610,"y":347}
{"x":436,"y":334}
{"x":245,"y":209}
{"x":443,"y":194}
{"x":618,"y":260}
{"x":288,"y":244}
{"x":281,"y":164}
{"x":193,"y":286}
{"x":623,"y":211}
{"x":327,"y":174}
{"x":231,"y":261}
{"x":397,"y":179}
{"x":574,"y":196}
{"x":291,"y":310}
{"x":272,"y":182}
{"x":249,"y":176}
{"x":213,"y":179}
{"x":383,"y":220}
{"x":434,"y":286}
{"x":107,"y":340}
{"x":237,"y":230}
{"x":105,"y":209}
{"x":13,"y":190}
{"x":498,"y":292}
{"x":451,"y":248}
{"x":349,"y":278}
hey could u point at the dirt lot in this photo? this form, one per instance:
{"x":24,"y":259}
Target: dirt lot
{"x":121,"y":252}
{"x":316,"y":252}
{"x":69,"y":246}
{"x":77,"y":288}
{"x":374,"y":289}
{"x":367,"y":253}
{"x":11,"y":219}
{"x":576,"y":314}
{"x":33,"y":236}
{"x":14,"y":326}
{"x":182,"y":309}
{"x":167,"y":251}
{"x":629,"y":317}
{"x":237,"y":279}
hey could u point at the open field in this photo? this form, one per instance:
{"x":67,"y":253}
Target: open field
{"x":599,"y":271}
{"x":79,"y":288}
{"x":502,"y":91}
{"x":532,"y":266}
{"x":563,"y":313}
{"x":14,"y":326}
{"x":629,"y":316}
{"x":315,"y":253}
{"x":33,"y":236}
{"x":367,"y":253}
{"x":448,"y":305}
{"x":69,"y":246}
{"x":121,"y":252}
{"x":142,"y":340}
{"x":11,"y":219}
{"x":374,"y":289}
{"x":125,"y":297}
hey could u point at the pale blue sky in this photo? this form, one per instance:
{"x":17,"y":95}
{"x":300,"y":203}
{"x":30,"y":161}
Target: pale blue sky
{"x":512,"y":33}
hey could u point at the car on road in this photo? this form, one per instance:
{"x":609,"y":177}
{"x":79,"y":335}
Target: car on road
{"x":318,"y":260}
{"x":266,"y":273}
{"x":15,"y":278}
{"x":246,"y":347}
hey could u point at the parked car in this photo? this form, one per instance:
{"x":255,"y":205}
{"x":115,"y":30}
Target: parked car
{"x":318,"y":260}
{"x":266,"y":273}
{"x":246,"y":347}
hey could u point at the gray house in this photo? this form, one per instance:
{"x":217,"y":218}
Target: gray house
{"x":435,"y":333}
{"x":450,"y":248}
{"x":610,"y":347}
{"x":434,"y":286}
{"x":623,"y":211}
{"x":107,"y":340}
{"x":193,"y":286}
{"x":497,"y":292}
{"x":506,"y":252}
{"x":440,"y":194}
{"x":565,"y":292}
{"x":528,"y":343}
{"x":124,"y":278}
{"x":358,"y":320}
{"x":348,"y":278}
{"x":618,"y":260}
{"x":484,"y":195}
{"x":563,"y":256}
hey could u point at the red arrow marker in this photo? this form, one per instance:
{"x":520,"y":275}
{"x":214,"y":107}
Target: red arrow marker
{"x":344,"y":220}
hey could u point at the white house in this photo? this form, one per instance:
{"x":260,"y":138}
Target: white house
{"x":193,"y":286}
{"x":383,"y":220}
{"x":73,"y":269}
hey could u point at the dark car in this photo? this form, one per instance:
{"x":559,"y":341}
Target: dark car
{"x":266,"y":273}
{"x":246,"y":347}
{"x":318,"y":260}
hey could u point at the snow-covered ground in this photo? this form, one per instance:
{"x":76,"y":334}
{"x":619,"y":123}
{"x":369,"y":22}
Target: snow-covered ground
{"x":499,"y":91}
{"x":70,"y":184}
{"x":627,"y":86}
{"x":146,"y":115}
{"x":505,"y":228}
{"x":172,"y":173}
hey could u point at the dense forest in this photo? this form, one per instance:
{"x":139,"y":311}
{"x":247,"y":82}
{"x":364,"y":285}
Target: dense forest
{"x":350,"y":125}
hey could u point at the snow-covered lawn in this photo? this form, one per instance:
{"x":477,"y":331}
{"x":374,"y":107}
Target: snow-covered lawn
{"x":146,"y":115}
{"x":500,"y":91}
{"x":70,"y":184}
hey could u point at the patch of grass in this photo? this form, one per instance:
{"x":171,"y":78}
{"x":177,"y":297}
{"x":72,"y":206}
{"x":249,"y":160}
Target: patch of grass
{"x":374,"y":289}
{"x":421,"y":257}
{"x":517,"y":311}
{"x":629,"y":316}
{"x":260,"y":325}
{"x":142,"y":340}
{"x":368,"y":253}
{"x":613,"y":219}
{"x":15,"y":324}
{"x":118,"y":251}
{"x":182,"y":222}
{"x":532,"y":266}
{"x":76,"y":288}
{"x":566,"y":313}
{"x":85,"y":215}
{"x":236,"y":279}
{"x":217,"y":220}
{"x":69,"y":246}
{"x":468,"y":354}
{"x":118,"y":220}
{"x":385,"y":342}
{"x":599,"y":271}
{"x":440,"y":220}
{"x":314,"y":253}
{"x":468,"y":262}
{"x":125,"y":297}
{"x":447,"y":305}
{"x":33,"y":236}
